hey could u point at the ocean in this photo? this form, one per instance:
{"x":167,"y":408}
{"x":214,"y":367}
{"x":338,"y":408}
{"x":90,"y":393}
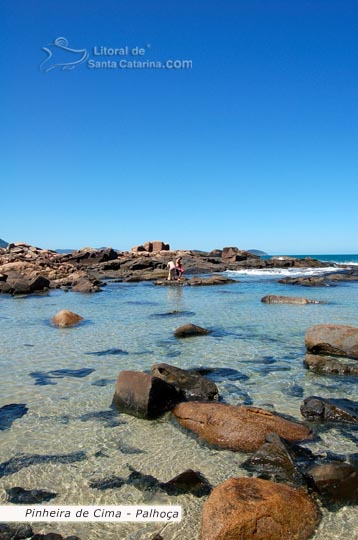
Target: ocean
{"x":66,"y":379}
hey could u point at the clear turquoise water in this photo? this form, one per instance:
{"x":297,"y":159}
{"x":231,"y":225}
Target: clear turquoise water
{"x":264,"y":342}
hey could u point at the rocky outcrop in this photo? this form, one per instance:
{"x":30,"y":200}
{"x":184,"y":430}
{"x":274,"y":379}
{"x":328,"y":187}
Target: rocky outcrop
{"x":332,"y":348}
{"x":143,"y":395}
{"x":330,"y":410}
{"x":239,"y":428}
{"x":234,"y":254}
{"x":192,"y":387}
{"x":255,"y":509}
{"x":274,"y":299}
{"x":335,"y":482}
{"x":190,"y":330}
{"x":65,"y":318}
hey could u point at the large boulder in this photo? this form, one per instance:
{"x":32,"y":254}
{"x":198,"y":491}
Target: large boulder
{"x":143,"y":395}
{"x":332,"y":339}
{"x":335,"y":482}
{"x":239,"y":428}
{"x":330,"y":410}
{"x":255,"y":509}
{"x":274,"y":299}
{"x":192,"y":387}
{"x":66,"y":318}
{"x":190,"y":330}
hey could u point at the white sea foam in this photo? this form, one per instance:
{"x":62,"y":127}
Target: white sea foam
{"x":277,"y":272}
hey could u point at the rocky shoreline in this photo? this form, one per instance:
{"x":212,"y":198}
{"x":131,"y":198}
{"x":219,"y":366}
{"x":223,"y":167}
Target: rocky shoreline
{"x":26,"y":269}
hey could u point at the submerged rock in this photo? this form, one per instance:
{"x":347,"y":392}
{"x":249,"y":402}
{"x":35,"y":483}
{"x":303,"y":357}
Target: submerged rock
{"x":143,"y":395}
{"x":21,"y":461}
{"x":239,"y":428}
{"x":255,"y":509}
{"x":315,"y":408}
{"x":189,"y":330}
{"x":66,"y":318}
{"x":189,"y":481}
{"x":273,"y":299}
{"x":192,"y":387}
{"x":10,"y":413}
{"x":19,"y":495}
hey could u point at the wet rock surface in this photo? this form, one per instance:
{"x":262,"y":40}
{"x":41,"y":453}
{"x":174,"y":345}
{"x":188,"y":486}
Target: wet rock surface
{"x":318,"y":409}
{"x":239,"y":428}
{"x":192,"y":387}
{"x":256,"y":509}
{"x":336,"y":483}
{"x":142,"y":395}
{"x":190,"y":330}
{"x":274,"y":461}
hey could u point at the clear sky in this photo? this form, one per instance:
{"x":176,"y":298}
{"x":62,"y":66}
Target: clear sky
{"x":255,"y":145}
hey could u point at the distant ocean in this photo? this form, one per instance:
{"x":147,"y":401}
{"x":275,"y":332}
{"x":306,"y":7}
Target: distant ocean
{"x":334,"y":258}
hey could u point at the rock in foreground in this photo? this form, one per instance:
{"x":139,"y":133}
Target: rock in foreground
{"x":255,"y":509}
{"x":336,"y":482}
{"x":142,"y":395}
{"x":236,"y":428}
{"x":66,"y":318}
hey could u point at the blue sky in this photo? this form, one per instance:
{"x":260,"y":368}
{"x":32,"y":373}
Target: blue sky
{"x":254,"y":146}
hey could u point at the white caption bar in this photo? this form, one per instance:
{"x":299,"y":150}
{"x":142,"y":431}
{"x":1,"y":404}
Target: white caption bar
{"x":9,"y":513}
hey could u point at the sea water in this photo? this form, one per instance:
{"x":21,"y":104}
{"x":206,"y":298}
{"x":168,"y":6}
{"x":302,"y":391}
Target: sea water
{"x":66,"y":378}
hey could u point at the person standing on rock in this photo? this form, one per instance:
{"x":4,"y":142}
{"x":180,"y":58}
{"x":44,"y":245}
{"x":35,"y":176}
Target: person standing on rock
{"x":172,"y":267}
{"x":179,"y":268}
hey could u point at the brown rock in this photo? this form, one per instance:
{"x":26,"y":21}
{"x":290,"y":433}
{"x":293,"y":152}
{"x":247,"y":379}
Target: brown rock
{"x":330,"y":364}
{"x":189,"y":330}
{"x":318,"y":409}
{"x":273,"y":299}
{"x":212,"y":280}
{"x":158,"y":245}
{"x":332,"y":339}
{"x":66,"y":318}
{"x":255,"y":509}
{"x":142,"y":395}
{"x":239,"y":428}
